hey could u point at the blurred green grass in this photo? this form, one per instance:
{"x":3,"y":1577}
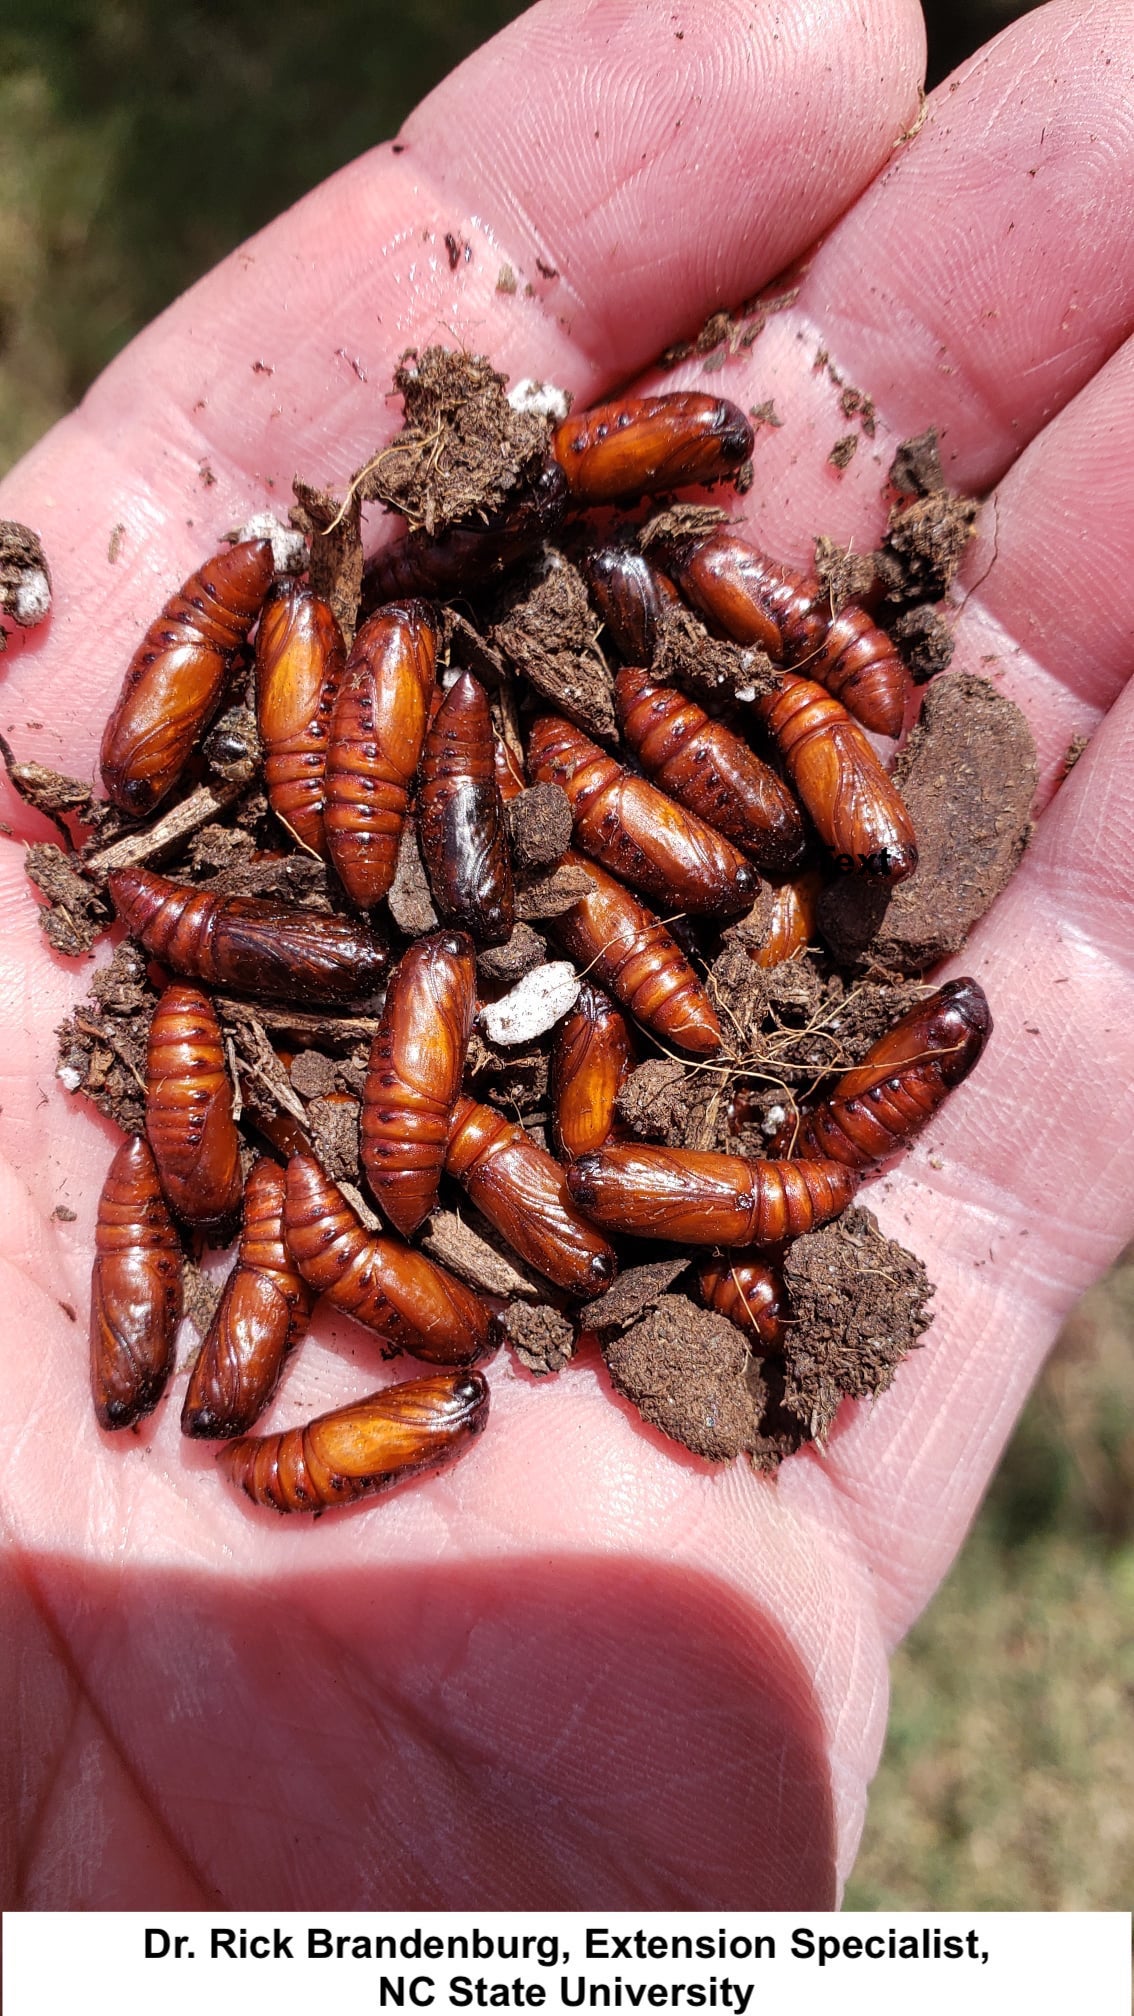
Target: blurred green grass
{"x":140,"y":140}
{"x":1008,"y":1777}
{"x":138,"y":143}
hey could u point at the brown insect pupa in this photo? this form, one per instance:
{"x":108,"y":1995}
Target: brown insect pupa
{"x":592,"y":1057}
{"x":857,"y":810}
{"x":299,"y":665}
{"x":631,"y":448}
{"x":265,"y":949}
{"x":756,"y":600}
{"x":377,"y":734}
{"x":464,"y":839}
{"x":189,"y":1123}
{"x":520,"y":1189}
{"x":749,"y":1290}
{"x":413,"y":1079}
{"x":404,"y":1298}
{"x":176,"y":679}
{"x":701,"y":1199}
{"x":261,"y":1316}
{"x":620,"y":944}
{"x":882,"y":1104}
{"x":635,"y":831}
{"x":135,"y":1290}
{"x":357,"y":1451}
{"x":706,"y":767}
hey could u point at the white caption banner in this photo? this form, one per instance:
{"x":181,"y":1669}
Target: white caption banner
{"x":183,"y":1963}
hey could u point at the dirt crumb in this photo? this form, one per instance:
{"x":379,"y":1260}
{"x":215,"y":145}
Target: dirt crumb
{"x":781,"y":1432}
{"x":924,"y":640}
{"x":740,"y":989}
{"x":636,"y":1290}
{"x":409,"y":899}
{"x":462,"y":450}
{"x":688,"y":655}
{"x":764,"y":415}
{"x":75,"y":914}
{"x":450,"y":1238}
{"x":724,"y":334}
{"x":680,"y":521}
{"x":547,"y":630}
{"x":505,"y":964}
{"x":227,"y":860}
{"x":333,"y":1125}
{"x":334,"y":528}
{"x":514,"y":1081}
{"x":924,"y":545}
{"x":858,"y":1307}
{"x":916,"y":468}
{"x":552,"y":895}
{"x":859,"y":406}
{"x":847,"y":576}
{"x":690,"y":1373}
{"x":654,"y":1101}
{"x":843,"y":452}
{"x":968,"y":775}
{"x":313,"y":1075}
{"x":52,"y":792}
{"x":1073,"y":752}
{"x":200,"y":1297}
{"x":25,"y":578}
{"x":541,"y":1338}
{"x":539,"y":828}
{"x":232,"y":746}
{"x":463,"y":645}
{"x":102,"y":1044}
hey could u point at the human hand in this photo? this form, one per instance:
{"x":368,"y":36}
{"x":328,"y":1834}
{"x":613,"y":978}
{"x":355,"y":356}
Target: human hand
{"x":584,"y":1667}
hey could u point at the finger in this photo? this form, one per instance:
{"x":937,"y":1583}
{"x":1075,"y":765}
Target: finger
{"x":1047,"y":593}
{"x":622,"y":184}
{"x":986,"y":275}
{"x":1020,"y":1190}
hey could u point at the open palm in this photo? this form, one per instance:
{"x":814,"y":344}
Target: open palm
{"x":582,"y":1666}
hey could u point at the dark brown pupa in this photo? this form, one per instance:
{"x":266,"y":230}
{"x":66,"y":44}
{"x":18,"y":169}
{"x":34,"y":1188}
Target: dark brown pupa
{"x":357,"y":1451}
{"x":632,"y":598}
{"x":176,"y":679}
{"x":465,"y":555}
{"x":464,"y":839}
{"x":261,"y":948}
{"x":260,"y":1317}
